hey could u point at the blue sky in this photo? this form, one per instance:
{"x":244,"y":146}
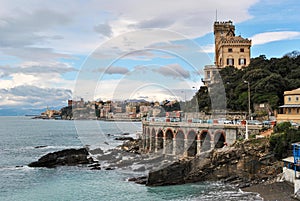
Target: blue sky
{"x":55,"y":50}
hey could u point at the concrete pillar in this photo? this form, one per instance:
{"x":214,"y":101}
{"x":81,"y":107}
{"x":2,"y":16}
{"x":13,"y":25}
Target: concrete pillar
{"x":212,"y":144}
{"x":164,"y":145}
{"x":150,"y":142}
{"x":156,"y":144}
{"x":198,"y":147}
{"x":174,"y":151}
{"x":146,"y":143}
{"x":186,"y":146}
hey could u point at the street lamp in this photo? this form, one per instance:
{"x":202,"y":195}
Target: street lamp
{"x":249,"y":109}
{"x":249,"y":106}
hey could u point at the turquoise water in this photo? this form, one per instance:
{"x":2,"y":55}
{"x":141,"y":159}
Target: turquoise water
{"x":20,"y":136}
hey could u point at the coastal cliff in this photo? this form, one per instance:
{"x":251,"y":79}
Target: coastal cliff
{"x":243,"y":164}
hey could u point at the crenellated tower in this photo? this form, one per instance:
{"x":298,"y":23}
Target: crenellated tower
{"x":230,"y":50}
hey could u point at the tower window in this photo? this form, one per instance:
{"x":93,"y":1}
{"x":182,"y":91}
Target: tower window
{"x":230,"y":62}
{"x":208,"y":74}
{"x":289,"y":99}
{"x":242,"y":50}
{"x":229,"y":49}
{"x":297,"y":98}
{"x":242,"y":61}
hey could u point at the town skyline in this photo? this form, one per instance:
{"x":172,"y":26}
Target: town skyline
{"x":47,"y":49}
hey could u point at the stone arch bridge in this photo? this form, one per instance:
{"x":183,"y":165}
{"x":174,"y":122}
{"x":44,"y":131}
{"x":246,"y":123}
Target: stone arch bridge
{"x":189,"y":139}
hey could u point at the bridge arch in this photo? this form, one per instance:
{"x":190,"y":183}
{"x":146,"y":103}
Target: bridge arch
{"x":153,"y":134}
{"x":180,"y":137}
{"x":219,"y":138}
{"x":192,"y":143}
{"x":148,"y":139}
{"x":205,"y":140}
{"x":168,"y":145}
{"x":159,"y":139}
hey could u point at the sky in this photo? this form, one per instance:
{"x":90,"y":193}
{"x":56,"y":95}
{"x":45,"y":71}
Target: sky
{"x":52,"y":51}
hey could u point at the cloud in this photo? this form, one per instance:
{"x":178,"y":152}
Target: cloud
{"x":190,"y":18}
{"x":155,"y":23}
{"x":103,"y":29}
{"x":34,"y":53}
{"x":210,"y":48}
{"x":28,"y":28}
{"x":267,"y":37}
{"x":32,"y":96}
{"x":37,"y":68}
{"x":113,"y":70}
{"x":173,"y":70}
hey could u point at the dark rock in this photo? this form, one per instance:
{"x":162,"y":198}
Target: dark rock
{"x":96,"y":151}
{"x":125,"y":134}
{"x":140,"y":169}
{"x":94,"y":165}
{"x":69,"y":157}
{"x":41,"y":146}
{"x":124,"y":138}
{"x":141,"y":180}
{"x":138,"y":180}
{"x":132,"y":146}
{"x":96,"y":168}
{"x":132,"y":179}
{"x":109,"y":168}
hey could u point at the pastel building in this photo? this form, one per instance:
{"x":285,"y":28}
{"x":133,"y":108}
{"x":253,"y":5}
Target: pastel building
{"x":230,"y":50}
{"x":290,"y":111}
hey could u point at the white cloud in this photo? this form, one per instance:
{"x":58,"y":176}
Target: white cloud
{"x":113,"y":70}
{"x":267,"y":37}
{"x":174,"y":70}
{"x":32,"y":96}
{"x":210,"y":48}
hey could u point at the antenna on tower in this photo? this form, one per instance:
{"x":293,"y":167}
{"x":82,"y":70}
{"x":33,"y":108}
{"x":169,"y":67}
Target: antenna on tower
{"x":216,"y":15}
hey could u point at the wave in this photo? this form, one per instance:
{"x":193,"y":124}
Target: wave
{"x":21,"y":167}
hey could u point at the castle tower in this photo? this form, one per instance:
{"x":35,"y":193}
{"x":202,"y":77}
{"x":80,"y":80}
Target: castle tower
{"x":230,"y":50}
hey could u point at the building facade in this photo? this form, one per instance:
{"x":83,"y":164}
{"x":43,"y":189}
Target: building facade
{"x":230,"y":50}
{"x":290,"y":111}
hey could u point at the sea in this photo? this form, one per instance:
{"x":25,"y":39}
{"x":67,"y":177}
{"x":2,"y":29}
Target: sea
{"x":23,"y":140}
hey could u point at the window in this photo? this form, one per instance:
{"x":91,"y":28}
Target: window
{"x":242,"y":61}
{"x":229,"y":49}
{"x":242,"y":50}
{"x":289,"y":111}
{"x":208,"y":74}
{"x":230,"y":62}
{"x":289,"y":99}
{"x":298,"y":110}
{"x":297,"y":98}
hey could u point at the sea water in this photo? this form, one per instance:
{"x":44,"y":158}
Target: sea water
{"x":24,"y":140}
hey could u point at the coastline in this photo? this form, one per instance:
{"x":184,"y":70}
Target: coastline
{"x":271,"y":191}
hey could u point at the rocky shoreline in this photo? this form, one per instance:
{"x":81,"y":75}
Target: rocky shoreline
{"x":244,"y":164}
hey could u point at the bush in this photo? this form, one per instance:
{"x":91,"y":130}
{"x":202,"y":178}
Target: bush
{"x":281,"y":141}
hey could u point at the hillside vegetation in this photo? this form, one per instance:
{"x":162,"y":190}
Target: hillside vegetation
{"x":268,"y":79}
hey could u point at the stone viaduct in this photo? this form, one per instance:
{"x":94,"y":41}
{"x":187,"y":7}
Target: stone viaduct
{"x":189,"y":139}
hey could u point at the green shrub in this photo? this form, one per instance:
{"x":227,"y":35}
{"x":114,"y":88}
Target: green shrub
{"x":281,"y":141}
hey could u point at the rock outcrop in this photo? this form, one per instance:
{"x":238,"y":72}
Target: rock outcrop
{"x":242,"y":164}
{"x":68,"y":157}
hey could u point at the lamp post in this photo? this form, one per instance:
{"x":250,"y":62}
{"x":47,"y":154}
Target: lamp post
{"x":249,"y":110}
{"x":249,"y":106}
